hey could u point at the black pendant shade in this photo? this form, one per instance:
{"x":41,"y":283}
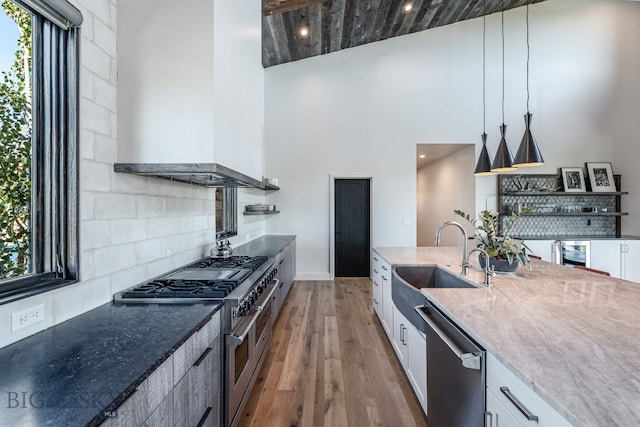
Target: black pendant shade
{"x":503,"y":161}
{"x":483,"y":167}
{"x":528,"y":153}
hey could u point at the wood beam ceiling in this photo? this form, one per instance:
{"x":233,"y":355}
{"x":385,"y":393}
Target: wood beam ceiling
{"x":340,"y":24}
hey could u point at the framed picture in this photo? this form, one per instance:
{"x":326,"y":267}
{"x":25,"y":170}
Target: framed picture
{"x":601,"y":177}
{"x":573,"y":179}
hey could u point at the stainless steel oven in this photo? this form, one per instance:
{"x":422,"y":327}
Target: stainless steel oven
{"x":572,"y":252}
{"x":246,"y":347}
{"x":244,"y":284}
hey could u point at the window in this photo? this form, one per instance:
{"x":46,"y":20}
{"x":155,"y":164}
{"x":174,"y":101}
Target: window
{"x":38,"y":146}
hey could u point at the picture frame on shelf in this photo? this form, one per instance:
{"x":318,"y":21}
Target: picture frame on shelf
{"x":573,"y":180}
{"x":601,"y":177}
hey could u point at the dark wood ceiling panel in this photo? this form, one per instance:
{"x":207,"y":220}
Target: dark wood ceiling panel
{"x":341,"y":24}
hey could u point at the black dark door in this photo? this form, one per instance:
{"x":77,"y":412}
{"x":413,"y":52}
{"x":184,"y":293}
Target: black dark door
{"x":352,"y":222}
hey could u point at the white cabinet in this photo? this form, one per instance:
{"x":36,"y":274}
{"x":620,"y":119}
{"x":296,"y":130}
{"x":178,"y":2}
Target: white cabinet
{"x":630,"y":264}
{"x":606,"y":256}
{"x":518,"y":404}
{"x":411,"y":348}
{"x":376,"y":285}
{"x":399,"y":340}
{"x":387,"y":300}
{"x":408,"y":343}
{"x":618,"y":257}
{"x":381,"y":292}
{"x":541,"y":248}
{"x":497,"y":415}
{"x":417,"y":364}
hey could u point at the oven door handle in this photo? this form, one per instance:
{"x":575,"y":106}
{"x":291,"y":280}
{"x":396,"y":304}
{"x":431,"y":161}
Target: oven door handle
{"x":266,"y":297}
{"x":235,"y":338}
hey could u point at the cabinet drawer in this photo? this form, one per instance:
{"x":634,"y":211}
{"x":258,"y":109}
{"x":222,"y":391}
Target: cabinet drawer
{"x":185,"y":356}
{"x":497,"y":415}
{"x":520,"y":399}
{"x":147,"y":397}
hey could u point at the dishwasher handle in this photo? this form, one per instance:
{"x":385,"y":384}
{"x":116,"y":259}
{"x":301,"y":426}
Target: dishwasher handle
{"x":468,"y":360}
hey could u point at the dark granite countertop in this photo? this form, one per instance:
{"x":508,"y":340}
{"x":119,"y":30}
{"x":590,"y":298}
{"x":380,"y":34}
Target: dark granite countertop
{"x":70,"y":373}
{"x":269,"y":245}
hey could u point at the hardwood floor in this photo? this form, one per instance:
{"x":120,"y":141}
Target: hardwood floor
{"x":330,"y":364}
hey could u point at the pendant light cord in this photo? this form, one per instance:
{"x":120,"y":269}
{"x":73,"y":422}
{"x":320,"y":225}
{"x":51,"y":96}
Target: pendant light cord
{"x":484,"y":66}
{"x":527,"y":56}
{"x":502,"y":15}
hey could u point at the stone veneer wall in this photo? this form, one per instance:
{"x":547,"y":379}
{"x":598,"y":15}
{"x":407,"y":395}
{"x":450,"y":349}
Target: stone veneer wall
{"x":131,"y":228}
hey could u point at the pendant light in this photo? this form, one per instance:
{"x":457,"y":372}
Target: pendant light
{"x":528,"y":152}
{"x":483,"y":167}
{"x":503,"y":161}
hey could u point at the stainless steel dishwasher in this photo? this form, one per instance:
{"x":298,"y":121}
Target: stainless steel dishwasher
{"x":455,"y":373}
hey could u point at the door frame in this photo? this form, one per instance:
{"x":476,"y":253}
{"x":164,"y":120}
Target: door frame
{"x":332,"y":216}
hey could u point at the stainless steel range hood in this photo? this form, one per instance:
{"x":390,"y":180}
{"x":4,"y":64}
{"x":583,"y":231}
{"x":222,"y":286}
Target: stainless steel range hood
{"x":201,"y":174}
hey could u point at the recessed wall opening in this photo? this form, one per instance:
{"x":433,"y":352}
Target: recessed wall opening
{"x":445,"y":182}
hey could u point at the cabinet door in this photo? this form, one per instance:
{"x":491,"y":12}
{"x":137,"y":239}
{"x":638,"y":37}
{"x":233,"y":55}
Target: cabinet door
{"x":497,"y":415}
{"x":605,"y":256}
{"x":289,"y":268}
{"x":399,"y":340}
{"x":387,"y":301}
{"x":541,"y":248}
{"x":631,"y":260}
{"x":417,"y":364}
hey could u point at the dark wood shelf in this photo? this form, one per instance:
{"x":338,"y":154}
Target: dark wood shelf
{"x":564,"y":193}
{"x":260,"y":212}
{"x":571,"y":214}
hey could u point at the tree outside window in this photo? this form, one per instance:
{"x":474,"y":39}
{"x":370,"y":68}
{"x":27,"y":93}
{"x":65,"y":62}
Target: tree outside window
{"x":15,"y":147}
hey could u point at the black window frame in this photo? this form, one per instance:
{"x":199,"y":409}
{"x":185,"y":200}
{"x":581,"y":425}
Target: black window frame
{"x":54,"y":168}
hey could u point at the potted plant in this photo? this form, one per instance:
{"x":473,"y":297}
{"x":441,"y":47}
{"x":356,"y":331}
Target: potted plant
{"x":504,"y":251}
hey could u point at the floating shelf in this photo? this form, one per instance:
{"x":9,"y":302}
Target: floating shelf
{"x":261,"y":213}
{"x":571,"y":214}
{"x":563,"y":193}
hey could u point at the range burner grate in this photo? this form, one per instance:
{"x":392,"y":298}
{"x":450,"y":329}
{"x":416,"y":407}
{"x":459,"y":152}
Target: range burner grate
{"x":251,"y":262}
{"x":182,"y":288}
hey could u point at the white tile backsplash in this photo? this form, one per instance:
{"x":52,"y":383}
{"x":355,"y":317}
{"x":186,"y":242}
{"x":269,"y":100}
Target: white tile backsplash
{"x":132,"y":228}
{"x":114,"y":206}
{"x":75,"y":299}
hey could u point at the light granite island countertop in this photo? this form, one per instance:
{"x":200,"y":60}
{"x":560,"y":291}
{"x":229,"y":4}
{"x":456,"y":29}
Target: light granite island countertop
{"x":570,"y":335}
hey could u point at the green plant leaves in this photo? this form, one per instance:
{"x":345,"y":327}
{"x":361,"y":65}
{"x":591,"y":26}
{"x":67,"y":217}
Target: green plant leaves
{"x":495,"y":240}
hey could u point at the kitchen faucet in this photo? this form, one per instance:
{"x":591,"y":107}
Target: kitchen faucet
{"x":489,"y":272}
{"x":465,"y":258}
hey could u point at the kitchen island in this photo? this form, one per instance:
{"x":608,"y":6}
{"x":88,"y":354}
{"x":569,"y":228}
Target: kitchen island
{"x":571,"y":336}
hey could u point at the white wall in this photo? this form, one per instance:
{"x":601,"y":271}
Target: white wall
{"x":363,"y":110}
{"x":624,"y":109}
{"x":131,"y":228}
{"x":191,"y":83}
{"x":443,"y":186}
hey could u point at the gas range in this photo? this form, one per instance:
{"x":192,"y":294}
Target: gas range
{"x":245,"y":285}
{"x":232,"y":279}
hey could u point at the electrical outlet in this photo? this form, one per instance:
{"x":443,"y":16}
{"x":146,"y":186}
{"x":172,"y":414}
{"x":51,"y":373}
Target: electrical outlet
{"x":28,"y":317}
